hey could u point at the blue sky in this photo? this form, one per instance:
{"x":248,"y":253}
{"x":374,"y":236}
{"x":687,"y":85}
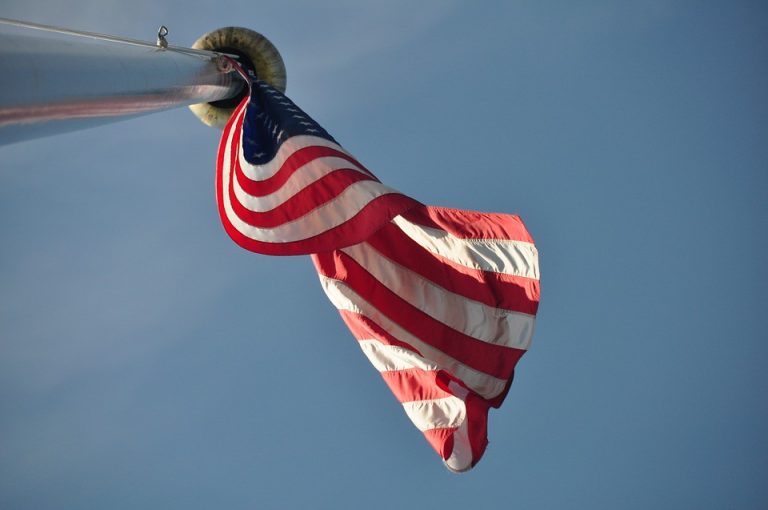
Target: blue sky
{"x":148,"y":362}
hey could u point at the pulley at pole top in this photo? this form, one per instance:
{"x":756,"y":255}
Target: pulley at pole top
{"x":56,"y":80}
{"x":255,"y":53}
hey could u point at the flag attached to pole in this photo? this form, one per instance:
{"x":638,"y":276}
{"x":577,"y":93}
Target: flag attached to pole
{"x":441,"y":301}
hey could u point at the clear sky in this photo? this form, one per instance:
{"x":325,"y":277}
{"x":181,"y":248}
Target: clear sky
{"x":148,"y":362}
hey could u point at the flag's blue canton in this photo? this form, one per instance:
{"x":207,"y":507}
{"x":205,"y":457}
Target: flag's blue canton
{"x":270,"y":119}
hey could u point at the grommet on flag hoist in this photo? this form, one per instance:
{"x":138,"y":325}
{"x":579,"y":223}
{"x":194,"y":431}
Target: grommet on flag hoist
{"x":255,"y":53}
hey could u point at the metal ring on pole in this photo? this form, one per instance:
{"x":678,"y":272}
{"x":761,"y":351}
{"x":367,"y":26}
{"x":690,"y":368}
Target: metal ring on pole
{"x":256,"y":53}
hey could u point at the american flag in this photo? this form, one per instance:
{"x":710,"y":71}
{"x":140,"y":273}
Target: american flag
{"x":441,"y":301}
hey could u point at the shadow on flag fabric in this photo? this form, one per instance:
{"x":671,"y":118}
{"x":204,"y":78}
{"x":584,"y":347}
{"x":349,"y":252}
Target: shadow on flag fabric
{"x":441,"y":301}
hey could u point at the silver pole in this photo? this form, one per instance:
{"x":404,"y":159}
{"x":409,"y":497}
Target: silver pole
{"x":52,"y":81}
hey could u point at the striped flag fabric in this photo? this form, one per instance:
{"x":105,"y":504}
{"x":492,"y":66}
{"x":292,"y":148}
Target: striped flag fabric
{"x":441,"y":301}
{"x":285,"y":187}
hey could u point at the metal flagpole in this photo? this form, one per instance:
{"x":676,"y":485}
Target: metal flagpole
{"x":54,"y":80}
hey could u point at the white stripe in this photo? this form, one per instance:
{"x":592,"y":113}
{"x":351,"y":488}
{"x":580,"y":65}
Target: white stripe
{"x":302,"y":177}
{"x":344,"y":298}
{"x":389,"y":358}
{"x":517,"y":258}
{"x":440,"y":413}
{"x":446,"y":412}
{"x":286,"y":150}
{"x":478,"y":320}
{"x":461,"y":456}
{"x":325,"y":217}
{"x":329,"y":215}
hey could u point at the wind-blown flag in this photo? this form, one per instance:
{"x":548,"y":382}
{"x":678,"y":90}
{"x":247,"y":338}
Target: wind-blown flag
{"x":441,"y":301}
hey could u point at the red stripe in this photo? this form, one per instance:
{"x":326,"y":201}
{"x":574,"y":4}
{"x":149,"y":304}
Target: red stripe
{"x":353,"y":231}
{"x":363,"y":328}
{"x":295,"y":161}
{"x":441,"y":440}
{"x":477,"y":425}
{"x":495,"y":360}
{"x":316,"y":194}
{"x":220,"y":157}
{"x":477,"y":408}
{"x":498,"y":290}
{"x":413,"y":384}
{"x":471,"y":224}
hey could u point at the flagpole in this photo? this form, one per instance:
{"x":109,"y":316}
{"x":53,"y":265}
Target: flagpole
{"x":54,"y":80}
